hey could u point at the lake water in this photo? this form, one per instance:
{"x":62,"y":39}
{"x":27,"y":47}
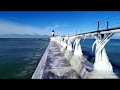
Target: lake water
{"x":20,"y":57}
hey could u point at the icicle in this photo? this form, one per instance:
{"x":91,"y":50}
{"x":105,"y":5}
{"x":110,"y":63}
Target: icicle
{"x":84,"y":38}
{"x":69,"y":46}
{"x":68,"y":52}
{"x":102,"y":66}
{"x":93,"y":45}
{"x":77,"y":49}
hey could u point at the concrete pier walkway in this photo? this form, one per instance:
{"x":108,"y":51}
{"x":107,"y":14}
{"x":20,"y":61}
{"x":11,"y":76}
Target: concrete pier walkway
{"x":53,"y":65}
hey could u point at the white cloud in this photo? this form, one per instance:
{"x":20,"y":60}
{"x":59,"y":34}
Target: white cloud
{"x":53,"y":27}
{"x":15,"y":28}
{"x":65,"y":25}
{"x":13,"y":18}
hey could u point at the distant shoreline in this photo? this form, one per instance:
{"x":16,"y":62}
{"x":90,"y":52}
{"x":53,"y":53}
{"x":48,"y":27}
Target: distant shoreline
{"x":24,"y":39}
{"x":44,"y":38}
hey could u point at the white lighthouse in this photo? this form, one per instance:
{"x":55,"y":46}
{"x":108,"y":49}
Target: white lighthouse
{"x":53,"y":33}
{"x":52,"y":36}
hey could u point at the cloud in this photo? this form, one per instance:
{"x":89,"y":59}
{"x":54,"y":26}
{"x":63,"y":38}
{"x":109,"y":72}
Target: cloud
{"x":15,"y":28}
{"x":53,"y":27}
{"x":65,"y":25}
{"x":13,"y":18}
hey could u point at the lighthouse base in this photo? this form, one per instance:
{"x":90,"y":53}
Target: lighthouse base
{"x":52,"y":39}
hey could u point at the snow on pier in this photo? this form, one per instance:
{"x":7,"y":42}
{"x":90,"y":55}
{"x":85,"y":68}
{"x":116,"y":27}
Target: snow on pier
{"x":53,"y":65}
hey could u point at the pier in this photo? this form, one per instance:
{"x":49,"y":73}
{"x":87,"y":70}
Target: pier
{"x":56,"y":66}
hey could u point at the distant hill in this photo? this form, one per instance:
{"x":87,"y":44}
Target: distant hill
{"x":23,"y":36}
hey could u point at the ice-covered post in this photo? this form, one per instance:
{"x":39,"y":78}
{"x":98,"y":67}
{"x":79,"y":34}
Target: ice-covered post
{"x":64,"y":45}
{"x":69,"y":45}
{"x":68,"y":52}
{"x":78,"y":59}
{"x":77,"y":47}
{"x":102,"y":66}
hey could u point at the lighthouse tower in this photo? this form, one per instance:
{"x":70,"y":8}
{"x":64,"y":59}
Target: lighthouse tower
{"x":52,"y":36}
{"x":53,"y":33}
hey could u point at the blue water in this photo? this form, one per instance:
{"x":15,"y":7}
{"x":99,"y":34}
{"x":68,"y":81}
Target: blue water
{"x":112,"y":49}
{"x":20,"y":57}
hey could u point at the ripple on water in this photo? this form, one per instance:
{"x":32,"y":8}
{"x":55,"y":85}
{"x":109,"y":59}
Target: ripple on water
{"x":37,"y":55}
{"x":22,"y":73}
{"x":34,"y":57}
{"x":28,"y":67}
{"x":26,"y":59}
{"x":33,"y":62}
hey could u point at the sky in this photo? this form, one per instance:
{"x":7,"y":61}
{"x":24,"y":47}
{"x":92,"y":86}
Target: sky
{"x":62,"y":22}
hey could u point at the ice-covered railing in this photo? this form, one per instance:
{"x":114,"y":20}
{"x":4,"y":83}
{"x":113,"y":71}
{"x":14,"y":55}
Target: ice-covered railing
{"x":71,"y":49}
{"x":102,"y":31}
{"x":101,"y":63}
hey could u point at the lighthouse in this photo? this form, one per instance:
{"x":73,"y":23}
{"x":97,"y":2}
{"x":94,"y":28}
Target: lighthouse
{"x":53,"y":33}
{"x":52,"y":36}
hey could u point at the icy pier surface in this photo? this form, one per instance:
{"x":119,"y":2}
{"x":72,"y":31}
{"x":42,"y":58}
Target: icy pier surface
{"x":53,"y":65}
